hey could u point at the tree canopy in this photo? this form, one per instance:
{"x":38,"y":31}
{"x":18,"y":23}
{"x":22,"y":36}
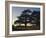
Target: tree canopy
{"x":27,"y":16}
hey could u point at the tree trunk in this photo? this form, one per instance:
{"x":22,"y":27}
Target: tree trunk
{"x":25,"y":25}
{"x":25,"y":22}
{"x":19,"y":24}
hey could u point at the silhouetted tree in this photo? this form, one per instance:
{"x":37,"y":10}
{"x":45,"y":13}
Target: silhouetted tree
{"x":25,"y":17}
{"x":29,"y":16}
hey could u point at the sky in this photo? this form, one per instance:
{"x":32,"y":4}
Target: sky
{"x":16,"y":11}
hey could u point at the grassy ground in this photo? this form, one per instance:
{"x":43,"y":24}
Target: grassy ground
{"x":22,"y":28}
